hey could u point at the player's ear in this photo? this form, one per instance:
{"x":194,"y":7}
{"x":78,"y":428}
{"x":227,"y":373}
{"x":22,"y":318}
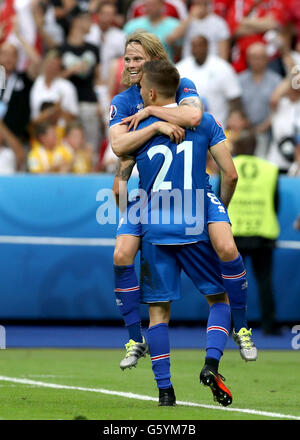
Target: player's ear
{"x":153,"y":94}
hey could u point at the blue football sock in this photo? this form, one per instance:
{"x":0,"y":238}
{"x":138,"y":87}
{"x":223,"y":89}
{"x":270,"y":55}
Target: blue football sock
{"x":236,"y":285}
{"x":127,"y":291}
{"x":159,"y":347}
{"x":135,"y":332}
{"x":218,"y":326}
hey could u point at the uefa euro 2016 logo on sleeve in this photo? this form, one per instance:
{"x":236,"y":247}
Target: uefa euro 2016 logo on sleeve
{"x":2,"y":77}
{"x":113,"y":112}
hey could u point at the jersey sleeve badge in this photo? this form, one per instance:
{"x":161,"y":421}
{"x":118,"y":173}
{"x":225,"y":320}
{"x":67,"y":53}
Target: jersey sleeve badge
{"x":188,"y":90}
{"x":112,"y":112}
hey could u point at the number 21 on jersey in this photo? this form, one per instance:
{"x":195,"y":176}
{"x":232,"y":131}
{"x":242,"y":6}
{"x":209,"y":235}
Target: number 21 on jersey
{"x":160,"y":183}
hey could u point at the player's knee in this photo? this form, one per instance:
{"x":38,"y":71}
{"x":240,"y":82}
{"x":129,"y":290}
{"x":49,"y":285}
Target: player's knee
{"x":226,"y":250}
{"x":123,"y":257}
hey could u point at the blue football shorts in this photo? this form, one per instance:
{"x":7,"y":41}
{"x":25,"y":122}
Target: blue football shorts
{"x":125,"y":227}
{"x":161,"y":267}
{"x":217,"y":212}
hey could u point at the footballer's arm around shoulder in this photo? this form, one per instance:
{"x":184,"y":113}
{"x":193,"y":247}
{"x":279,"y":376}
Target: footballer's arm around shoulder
{"x":125,"y":142}
{"x":229,"y":176}
{"x":187,"y":114}
{"x":195,"y":107}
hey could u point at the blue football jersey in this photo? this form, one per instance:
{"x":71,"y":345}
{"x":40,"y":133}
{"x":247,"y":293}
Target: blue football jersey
{"x":129,"y":102}
{"x":173,"y":184}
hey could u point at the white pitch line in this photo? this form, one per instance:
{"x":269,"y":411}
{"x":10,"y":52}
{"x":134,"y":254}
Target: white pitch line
{"x":141,"y":397}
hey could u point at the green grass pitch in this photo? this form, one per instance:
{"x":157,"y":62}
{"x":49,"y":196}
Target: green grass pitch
{"x":270,"y":384}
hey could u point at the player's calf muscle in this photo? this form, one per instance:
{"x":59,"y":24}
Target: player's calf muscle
{"x":218,"y":298}
{"x":159,"y":313}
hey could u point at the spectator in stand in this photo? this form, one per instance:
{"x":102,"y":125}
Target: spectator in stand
{"x":156,"y":23}
{"x":81,"y":66}
{"x":49,"y":156}
{"x":63,"y":11}
{"x":107,"y":36}
{"x":285,"y":123}
{"x":236,"y":123}
{"x":112,"y":39}
{"x":50,"y":87}
{"x":215,"y":79}
{"x":172,"y":8}
{"x":248,"y":21}
{"x":23,"y":28}
{"x":287,"y":53}
{"x":115,"y":84}
{"x":50,"y":33}
{"x":50,"y":113}
{"x":221,"y":7}
{"x":7,"y":13}
{"x":120,"y":6}
{"x":257,"y":84}
{"x":81,"y":151}
{"x":15,"y":95}
{"x":295,"y":16}
{"x":295,"y":54}
{"x":12,"y":152}
{"x":201,"y":20}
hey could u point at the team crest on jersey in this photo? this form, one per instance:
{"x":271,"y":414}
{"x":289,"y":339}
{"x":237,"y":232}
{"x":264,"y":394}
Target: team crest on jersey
{"x":140,"y":106}
{"x":113,"y":112}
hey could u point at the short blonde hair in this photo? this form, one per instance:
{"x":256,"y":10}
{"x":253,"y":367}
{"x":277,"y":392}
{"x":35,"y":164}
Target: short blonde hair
{"x":151,"y":45}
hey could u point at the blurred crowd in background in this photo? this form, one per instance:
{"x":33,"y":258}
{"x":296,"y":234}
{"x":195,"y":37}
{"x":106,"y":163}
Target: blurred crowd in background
{"x":63,"y":61}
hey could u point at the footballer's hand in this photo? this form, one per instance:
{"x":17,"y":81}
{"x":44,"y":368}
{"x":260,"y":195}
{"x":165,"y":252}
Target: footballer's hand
{"x":174,"y":131}
{"x":134,"y":120}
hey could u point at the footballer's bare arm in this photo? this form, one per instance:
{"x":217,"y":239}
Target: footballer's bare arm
{"x":229,"y":176}
{"x":193,"y":101}
{"x":187,"y":114}
{"x":125,"y":142}
{"x":195,"y":105}
{"x":124,"y":169}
